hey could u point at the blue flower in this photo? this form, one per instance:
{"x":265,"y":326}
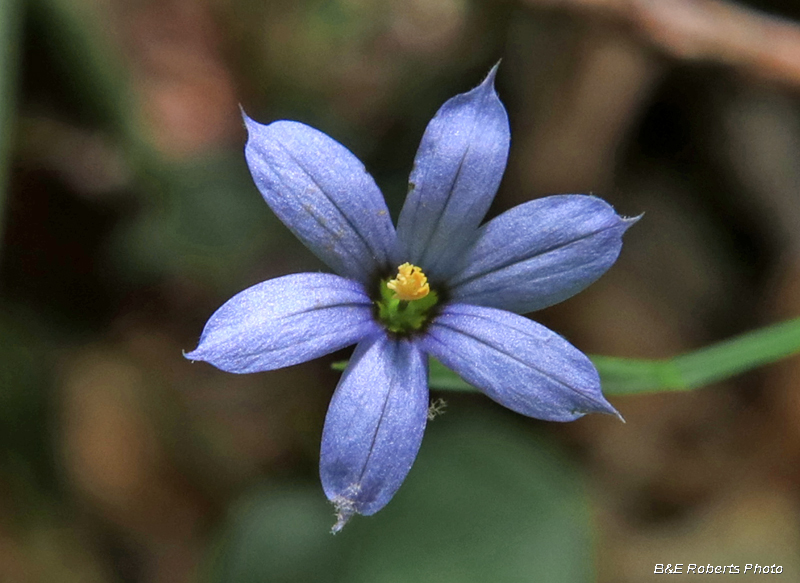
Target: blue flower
{"x":441,"y":284}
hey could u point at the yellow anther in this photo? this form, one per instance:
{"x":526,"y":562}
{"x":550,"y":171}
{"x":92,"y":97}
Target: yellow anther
{"x":410,"y":283}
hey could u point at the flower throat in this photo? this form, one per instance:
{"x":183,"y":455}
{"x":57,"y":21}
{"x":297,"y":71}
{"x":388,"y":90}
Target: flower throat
{"x":406,"y":301}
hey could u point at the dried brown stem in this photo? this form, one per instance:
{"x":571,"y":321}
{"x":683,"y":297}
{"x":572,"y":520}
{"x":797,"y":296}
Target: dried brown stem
{"x":707,"y":30}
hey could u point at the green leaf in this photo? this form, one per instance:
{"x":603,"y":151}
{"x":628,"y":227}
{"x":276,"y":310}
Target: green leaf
{"x":277,"y":534}
{"x":10,"y":33}
{"x":486,"y":500}
{"x":628,"y":376}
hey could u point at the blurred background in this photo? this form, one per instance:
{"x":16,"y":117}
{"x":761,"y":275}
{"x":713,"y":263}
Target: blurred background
{"x":128,"y":217}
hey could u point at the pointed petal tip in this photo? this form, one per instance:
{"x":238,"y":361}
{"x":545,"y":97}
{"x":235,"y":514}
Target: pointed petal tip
{"x":627,"y":221}
{"x":599,"y":406}
{"x":488,"y":82}
{"x":609,"y":409}
{"x":252,"y":125}
{"x":198,"y":355}
{"x":345,"y":510}
{"x":341,"y":520}
{"x":492,"y":74}
{"x":249,"y":123}
{"x":630,"y":221}
{"x":246,"y":118}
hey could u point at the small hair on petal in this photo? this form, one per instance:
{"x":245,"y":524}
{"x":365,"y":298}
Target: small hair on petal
{"x":346,"y":506}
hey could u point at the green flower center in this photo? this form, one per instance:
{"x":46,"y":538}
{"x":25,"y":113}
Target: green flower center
{"x":406,"y":301}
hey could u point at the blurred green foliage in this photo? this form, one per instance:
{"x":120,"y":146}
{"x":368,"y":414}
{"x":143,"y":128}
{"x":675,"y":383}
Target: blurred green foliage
{"x":25,"y":412}
{"x":210,"y":223}
{"x":487,"y":500}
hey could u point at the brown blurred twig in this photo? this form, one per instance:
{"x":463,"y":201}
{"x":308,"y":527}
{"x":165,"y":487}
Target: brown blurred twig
{"x":708,"y":30}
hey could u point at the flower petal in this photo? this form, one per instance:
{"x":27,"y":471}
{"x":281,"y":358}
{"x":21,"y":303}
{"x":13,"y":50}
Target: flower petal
{"x":324,"y":195}
{"x":285,"y":321}
{"x":517,"y":362}
{"x":540,"y":253}
{"x":457,"y":171}
{"x":374,"y":426}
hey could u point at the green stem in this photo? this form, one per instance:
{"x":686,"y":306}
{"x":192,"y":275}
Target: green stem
{"x":626,"y":376}
{"x":714,"y":363}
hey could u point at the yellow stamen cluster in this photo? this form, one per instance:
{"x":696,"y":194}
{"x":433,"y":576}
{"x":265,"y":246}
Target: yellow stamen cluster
{"x":410,"y":283}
